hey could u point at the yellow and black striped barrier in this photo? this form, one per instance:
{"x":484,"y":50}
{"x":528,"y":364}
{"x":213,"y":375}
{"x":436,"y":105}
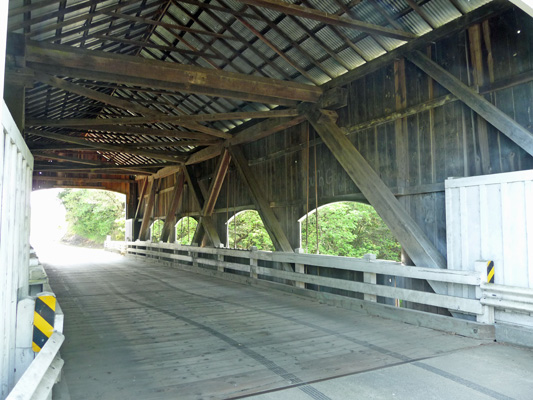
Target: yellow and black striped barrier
{"x":43,"y":320}
{"x":490,"y":272}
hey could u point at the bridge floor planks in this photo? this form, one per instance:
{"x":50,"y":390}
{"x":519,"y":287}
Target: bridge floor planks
{"x":140,"y":330}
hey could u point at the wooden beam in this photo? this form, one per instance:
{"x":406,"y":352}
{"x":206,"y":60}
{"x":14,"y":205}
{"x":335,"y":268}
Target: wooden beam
{"x":478,"y":15}
{"x":250,"y":134}
{"x":264,"y":129}
{"x":89,"y":170}
{"x":492,"y":114}
{"x":141,"y":198}
{"x":108,"y":147}
{"x":205,"y":154}
{"x":75,"y":160}
{"x":206,"y":222}
{"x":116,"y":67}
{"x":216,"y":183}
{"x":406,"y":230}
{"x":170,"y":220}
{"x":80,"y":179}
{"x":272,"y":225}
{"x":148,"y":211}
{"x":330,"y":19}
{"x":138,"y":130}
{"x":144,"y":145}
{"x":173,"y":119}
{"x":152,"y":85}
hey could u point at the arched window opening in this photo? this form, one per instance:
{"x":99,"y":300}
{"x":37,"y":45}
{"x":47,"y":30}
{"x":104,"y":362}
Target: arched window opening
{"x":185,"y":229}
{"x":348,"y":229}
{"x":156,"y":230}
{"x":246,"y":229}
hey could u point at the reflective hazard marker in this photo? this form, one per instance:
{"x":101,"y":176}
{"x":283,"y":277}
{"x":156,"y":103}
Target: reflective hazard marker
{"x":43,"y":320}
{"x":490,"y":272}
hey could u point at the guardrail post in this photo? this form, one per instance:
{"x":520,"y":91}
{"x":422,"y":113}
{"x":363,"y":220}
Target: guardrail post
{"x":23,"y":352}
{"x":220,"y":258}
{"x":253,"y":262}
{"x":299,"y":268}
{"x":486,"y":271}
{"x":369,"y":277}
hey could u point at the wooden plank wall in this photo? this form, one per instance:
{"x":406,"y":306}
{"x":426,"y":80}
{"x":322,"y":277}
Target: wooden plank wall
{"x":413,"y":155}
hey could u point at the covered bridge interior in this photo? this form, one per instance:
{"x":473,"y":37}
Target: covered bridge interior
{"x":205,"y":108}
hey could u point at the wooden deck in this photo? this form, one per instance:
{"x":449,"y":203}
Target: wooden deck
{"x":137,"y":330}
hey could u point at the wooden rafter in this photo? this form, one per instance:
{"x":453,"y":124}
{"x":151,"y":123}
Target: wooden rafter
{"x":108,"y":147}
{"x":317,"y":15}
{"x":156,"y":116}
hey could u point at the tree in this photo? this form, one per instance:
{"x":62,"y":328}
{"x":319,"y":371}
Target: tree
{"x":185,"y":229}
{"x":351,"y":230}
{"x":94,"y":214}
{"x":156,"y":230}
{"x":247,"y":230}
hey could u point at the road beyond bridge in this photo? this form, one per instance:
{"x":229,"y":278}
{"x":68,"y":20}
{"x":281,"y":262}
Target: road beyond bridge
{"x":142,"y":330}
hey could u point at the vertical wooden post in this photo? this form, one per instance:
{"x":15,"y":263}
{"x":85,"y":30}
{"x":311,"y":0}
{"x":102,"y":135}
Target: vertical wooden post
{"x":206,"y":222}
{"x":170,"y":219}
{"x":299,"y":268}
{"x":253,"y":262}
{"x":148,"y":210}
{"x":15,"y":98}
{"x":369,"y":277}
{"x":220,"y":258}
{"x":476,"y":60}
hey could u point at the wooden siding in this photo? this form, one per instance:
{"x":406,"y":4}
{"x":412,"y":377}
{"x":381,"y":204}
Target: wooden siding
{"x":413,"y":155}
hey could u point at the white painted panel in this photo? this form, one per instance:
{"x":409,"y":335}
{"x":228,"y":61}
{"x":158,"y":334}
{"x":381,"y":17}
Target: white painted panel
{"x":16,"y":165}
{"x":491,"y":218}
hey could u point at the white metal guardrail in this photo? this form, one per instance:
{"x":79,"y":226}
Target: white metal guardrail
{"x":262,"y":265}
{"x":36,"y":374}
{"x":507,"y":297}
{"x":42,"y":374}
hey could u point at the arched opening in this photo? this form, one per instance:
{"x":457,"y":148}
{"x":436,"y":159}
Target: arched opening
{"x":185,"y":229}
{"x":79,"y":217}
{"x":347,"y":229}
{"x":246,"y":229}
{"x":156,"y":230}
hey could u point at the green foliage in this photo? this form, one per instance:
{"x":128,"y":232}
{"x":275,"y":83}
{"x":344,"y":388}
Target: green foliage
{"x":351,"y":230}
{"x":185,"y":229}
{"x":247,"y":230}
{"x":156,"y":230}
{"x":94,"y":214}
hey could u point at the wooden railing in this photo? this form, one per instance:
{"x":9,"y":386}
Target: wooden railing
{"x":266,"y":266}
